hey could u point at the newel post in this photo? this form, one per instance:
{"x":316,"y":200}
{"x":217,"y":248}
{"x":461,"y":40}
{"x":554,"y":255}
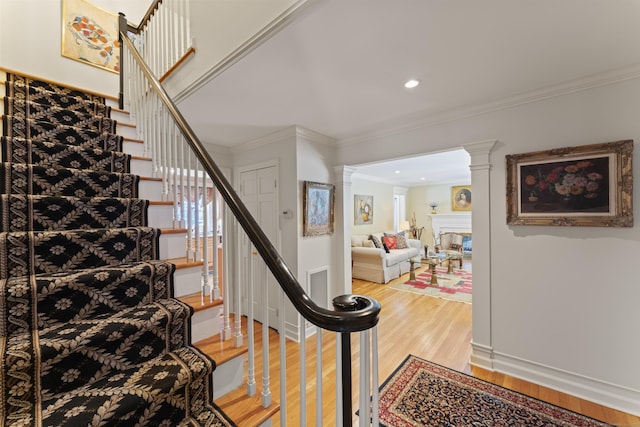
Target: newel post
{"x":346,"y":303}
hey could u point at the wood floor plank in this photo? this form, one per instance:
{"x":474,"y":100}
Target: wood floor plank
{"x":427,"y":327}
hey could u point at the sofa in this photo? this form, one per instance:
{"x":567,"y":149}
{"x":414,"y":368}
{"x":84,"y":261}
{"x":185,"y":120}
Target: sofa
{"x":374,"y":264}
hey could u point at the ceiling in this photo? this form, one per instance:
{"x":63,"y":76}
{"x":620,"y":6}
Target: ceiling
{"x":338,"y":68}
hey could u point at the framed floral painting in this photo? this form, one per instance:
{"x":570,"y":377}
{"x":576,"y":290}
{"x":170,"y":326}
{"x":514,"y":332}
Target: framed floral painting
{"x":318,"y":209}
{"x":589,"y":185}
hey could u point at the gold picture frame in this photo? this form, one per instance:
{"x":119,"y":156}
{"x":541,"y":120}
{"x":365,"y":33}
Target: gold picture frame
{"x":589,"y":185}
{"x":461,"y":198}
{"x":318,"y":215}
{"x":90,"y":35}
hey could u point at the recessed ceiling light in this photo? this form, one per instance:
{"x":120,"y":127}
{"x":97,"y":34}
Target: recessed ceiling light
{"x":397,"y":171}
{"x":410,"y":84}
{"x":421,"y":179}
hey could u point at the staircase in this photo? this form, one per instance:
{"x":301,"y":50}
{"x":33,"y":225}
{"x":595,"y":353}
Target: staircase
{"x":91,"y":333}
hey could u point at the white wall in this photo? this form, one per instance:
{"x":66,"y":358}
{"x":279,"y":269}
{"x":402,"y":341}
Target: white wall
{"x":315,"y":156}
{"x":382,"y":205}
{"x":38,"y":52}
{"x":218,"y":28}
{"x":564,"y":300}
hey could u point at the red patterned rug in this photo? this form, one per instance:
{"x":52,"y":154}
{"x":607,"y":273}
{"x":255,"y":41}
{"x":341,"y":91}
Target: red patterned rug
{"x":421,"y":393}
{"x":456,"y":286}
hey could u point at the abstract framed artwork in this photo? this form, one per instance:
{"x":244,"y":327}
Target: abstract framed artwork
{"x":318,"y":213}
{"x":363,"y":209}
{"x":461,"y":198}
{"x":90,"y":35}
{"x":589,"y":185}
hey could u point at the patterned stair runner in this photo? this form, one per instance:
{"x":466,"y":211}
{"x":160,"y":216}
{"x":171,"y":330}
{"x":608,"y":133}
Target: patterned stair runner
{"x":90,"y":333}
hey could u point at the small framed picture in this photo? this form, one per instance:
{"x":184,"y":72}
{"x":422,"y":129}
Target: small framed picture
{"x":363,"y":209}
{"x":589,"y":185}
{"x":461,"y":198}
{"x":318,"y":212}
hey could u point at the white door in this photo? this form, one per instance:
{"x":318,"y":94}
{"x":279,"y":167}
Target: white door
{"x":258,"y":192}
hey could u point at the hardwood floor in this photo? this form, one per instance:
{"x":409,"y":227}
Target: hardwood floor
{"x":431,"y":328}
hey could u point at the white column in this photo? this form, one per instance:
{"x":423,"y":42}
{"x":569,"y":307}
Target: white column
{"x":481,"y":345}
{"x":343,"y":221}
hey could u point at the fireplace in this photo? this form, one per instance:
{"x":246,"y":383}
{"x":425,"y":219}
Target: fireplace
{"x":453,"y":223}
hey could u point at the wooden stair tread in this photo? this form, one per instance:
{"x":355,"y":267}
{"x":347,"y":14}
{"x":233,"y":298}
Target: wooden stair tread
{"x":195,"y":301}
{"x":147,"y":159}
{"x":246,"y":411}
{"x":184,"y":262}
{"x":140,"y":141}
{"x":150,"y":178}
{"x":221,"y":353}
{"x":160,"y":203}
{"x":173,"y":230}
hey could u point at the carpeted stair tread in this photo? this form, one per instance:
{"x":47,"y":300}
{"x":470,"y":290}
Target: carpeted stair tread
{"x":20,"y":127}
{"x":28,"y":212}
{"x":171,"y":390}
{"x":30,"y":179}
{"x":91,"y":333}
{"x":76,"y":295}
{"x":105,"y":344}
{"x":60,"y":116}
{"x":45,"y":252}
{"x":52,"y":154}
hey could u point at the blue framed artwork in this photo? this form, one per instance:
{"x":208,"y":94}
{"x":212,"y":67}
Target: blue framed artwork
{"x":318,"y":208}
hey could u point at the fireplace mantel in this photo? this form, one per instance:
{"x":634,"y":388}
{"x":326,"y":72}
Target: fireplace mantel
{"x":457,"y":223}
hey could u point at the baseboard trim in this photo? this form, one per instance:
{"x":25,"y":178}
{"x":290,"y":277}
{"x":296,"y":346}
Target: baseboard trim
{"x":604,"y":393}
{"x":481,"y":356}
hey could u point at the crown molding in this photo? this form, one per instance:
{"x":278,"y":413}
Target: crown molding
{"x":425,"y":119}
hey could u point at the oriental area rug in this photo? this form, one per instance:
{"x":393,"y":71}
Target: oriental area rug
{"x":455,"y":287}
{"x":421,"y":393}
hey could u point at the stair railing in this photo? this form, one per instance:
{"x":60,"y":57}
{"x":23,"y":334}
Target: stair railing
{"x":163,"y":37}
{"x":188,"y":168}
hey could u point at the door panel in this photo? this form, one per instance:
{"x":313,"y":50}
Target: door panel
{"x":258,"y":192}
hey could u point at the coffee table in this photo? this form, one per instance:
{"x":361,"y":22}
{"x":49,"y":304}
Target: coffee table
{"x":432,"y":262}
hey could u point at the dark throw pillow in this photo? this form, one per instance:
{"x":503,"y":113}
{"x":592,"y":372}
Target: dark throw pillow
{"x":376,"y":242}
{"x":386,"y":249}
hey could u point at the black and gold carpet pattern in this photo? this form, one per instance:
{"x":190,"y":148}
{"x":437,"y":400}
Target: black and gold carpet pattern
{"x":90,"y":333}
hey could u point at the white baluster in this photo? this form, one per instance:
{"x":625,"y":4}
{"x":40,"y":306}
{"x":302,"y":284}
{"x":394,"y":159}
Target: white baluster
{"x":251,"y":376}
{"x":238,"y":290}
{"x":283,"y":359}
{"x":215,"y":287}
{"x":266,"y":391}
{"x":205,"y":237}
{"x":365,"y":369}
{"x":303,"y":371}
{"x":225,"y":272}
{"x":375,"y":399}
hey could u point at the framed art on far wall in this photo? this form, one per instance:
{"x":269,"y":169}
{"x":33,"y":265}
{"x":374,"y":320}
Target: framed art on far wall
{"x":90,"y":35}
{"x":461,"y":198}
{"x":318,"y":209}
{"x":363,"y":209}
{"x":589,"y":185}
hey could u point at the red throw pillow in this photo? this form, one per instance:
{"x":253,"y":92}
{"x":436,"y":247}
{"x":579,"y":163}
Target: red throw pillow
{"x":390,"y":242}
